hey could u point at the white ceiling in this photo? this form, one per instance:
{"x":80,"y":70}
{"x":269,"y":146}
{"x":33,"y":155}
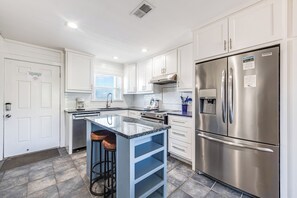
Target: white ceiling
{"x":106,"y":28}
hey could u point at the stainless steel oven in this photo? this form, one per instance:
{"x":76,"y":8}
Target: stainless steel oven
{"x":79,"y":128}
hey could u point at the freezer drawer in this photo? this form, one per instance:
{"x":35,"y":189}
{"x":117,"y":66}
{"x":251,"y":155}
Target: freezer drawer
{"x":251,"y":167}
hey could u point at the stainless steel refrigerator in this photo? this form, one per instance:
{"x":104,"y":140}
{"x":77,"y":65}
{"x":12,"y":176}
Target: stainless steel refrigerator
{"x":237,"y":120}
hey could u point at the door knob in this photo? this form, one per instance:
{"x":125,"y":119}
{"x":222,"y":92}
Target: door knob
{"x":8,"y":116}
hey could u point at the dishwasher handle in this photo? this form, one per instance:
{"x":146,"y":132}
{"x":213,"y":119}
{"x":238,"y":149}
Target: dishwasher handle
{"x":83,"y":116}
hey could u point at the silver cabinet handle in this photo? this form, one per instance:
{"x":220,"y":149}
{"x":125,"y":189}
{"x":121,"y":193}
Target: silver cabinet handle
{"x":230,"y":43}
{"x":8,"y":116}
{"x":225,"y":45}
{"x":179,"y":148}
{"x":178,"y":121}
{"x":223,"y":95}
{"x":180,"y":134}
{"x":230,"y":96}
{"x":236,"y":144}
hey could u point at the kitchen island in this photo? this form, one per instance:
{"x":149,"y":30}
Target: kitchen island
{"x":141,"y":156}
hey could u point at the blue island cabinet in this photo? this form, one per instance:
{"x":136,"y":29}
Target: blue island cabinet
{"x":141,"y":156}
{"x":142,"y":166}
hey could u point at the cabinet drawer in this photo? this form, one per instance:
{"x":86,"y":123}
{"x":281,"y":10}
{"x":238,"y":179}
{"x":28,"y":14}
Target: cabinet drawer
{"x":180,"y":149}
{"x":180,"y":133}
{"x":180,"y":121}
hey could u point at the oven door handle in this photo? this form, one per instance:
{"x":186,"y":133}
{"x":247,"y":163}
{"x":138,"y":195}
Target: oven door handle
{"x":236,"y":144}
{"x":151,"y":120}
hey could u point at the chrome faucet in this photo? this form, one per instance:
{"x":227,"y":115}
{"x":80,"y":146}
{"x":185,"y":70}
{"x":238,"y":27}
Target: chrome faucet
{"x":107,"y":104}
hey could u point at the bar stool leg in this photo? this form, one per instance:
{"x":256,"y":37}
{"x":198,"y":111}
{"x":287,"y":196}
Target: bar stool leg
{"x":91,"y":167}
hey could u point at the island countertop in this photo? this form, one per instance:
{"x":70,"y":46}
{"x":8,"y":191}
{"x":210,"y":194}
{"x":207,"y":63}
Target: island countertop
{"x":126,"y":126}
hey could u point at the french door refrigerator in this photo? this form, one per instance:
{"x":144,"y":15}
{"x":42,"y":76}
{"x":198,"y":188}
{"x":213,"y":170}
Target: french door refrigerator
{"x":237,"y":120}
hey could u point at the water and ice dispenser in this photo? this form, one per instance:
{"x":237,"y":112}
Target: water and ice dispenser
{"x":208,"y":101}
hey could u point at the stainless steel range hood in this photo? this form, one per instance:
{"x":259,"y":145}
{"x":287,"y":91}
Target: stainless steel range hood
{"x":164,"y":79}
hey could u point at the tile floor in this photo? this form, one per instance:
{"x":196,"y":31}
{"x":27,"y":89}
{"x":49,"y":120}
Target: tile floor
{"x":65,"y":176}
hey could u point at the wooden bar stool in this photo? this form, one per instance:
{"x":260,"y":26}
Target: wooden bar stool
{"x":97,"y":137}
{"x":109,"y":145}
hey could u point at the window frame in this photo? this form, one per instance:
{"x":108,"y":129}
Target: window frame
{"x":117,"y":76}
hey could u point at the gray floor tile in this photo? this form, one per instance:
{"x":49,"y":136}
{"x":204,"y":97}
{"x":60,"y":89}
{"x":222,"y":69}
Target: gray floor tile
{"x":49,"y":192}
{"x":63,"y":151}
{"x":185,"y":169}
{"x":170,"y":188}
{"x":41,"y":184}
{"x":68,"y":186}
{"x":15,"y":191}
{"x":79,"y":193}
{"x":172,"y":163}
{"x":15,"y":181}
{"x":63,"y":166}
{"x":41,"y":165}
{"x":225,"y":191}
{"x":78,"y":155}
{"x":194,"y":188}
{"x":80,"y":161}
{"x":203,"y":180}
{"x":38,"y":174}
{"x":246,"y":196}
{"x":1,"y":175}
{"x":176,"y":178}
{"x":61,"y":160}
{"x":213,"y":194}
{"x":23,"y":170}
{"x":180,"y":194}
{"x":67,"y":174}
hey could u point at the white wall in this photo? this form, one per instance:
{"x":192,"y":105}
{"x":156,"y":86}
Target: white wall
{"x":103,"y":67}
{"x":168,"y":95}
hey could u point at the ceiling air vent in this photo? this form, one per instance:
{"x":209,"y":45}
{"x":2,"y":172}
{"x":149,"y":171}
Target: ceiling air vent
{"x":142,"y":9}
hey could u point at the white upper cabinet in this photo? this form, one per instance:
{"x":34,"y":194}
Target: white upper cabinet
{"x":211,"y":40}
{"x":165,"y":63}
{"x":130,"y":79}
{"x":294,"y":18}
{"x":78,"y":72}
{"x":258,"y":24}
{"x":144,"y":76}
{"x":185,"y":67}
{"x":171,"y":62}
{"x":158,"y":65}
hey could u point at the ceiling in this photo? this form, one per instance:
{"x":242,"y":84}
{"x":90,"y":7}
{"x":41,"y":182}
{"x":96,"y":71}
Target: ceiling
{"x":105,"y":27}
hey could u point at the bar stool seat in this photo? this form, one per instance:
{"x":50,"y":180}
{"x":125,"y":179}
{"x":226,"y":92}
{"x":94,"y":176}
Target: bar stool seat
{"x":109,"y":145}
{"x":97,"y":136}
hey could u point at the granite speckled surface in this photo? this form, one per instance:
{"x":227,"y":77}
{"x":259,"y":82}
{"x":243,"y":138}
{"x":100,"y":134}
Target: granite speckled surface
{"x":126,"y":126}
{"x":104,"y":109}
{"x":179,"y":113}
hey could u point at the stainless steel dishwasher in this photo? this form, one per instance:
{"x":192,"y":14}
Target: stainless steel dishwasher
{"x":79,"y":128}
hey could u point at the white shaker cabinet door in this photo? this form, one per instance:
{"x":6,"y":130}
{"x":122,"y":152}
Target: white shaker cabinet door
{"x":171,"y":62}
{"x":158,"y":65}
{"x":148,"y":75}
{"x":130,"y":79}
{"x":211,"y":40}
{"x":141,"y":77}
{"x":258,"y":24}
{"x":185,"y":67}
{"x":78,"y":72}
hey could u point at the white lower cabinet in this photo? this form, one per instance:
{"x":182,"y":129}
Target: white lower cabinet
{"x":180,"y":137}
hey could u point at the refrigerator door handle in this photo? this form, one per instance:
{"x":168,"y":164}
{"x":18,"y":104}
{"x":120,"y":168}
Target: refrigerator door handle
{"x":236,"y":144}
{"x":223,"y":95}
{"x":230,"y":96}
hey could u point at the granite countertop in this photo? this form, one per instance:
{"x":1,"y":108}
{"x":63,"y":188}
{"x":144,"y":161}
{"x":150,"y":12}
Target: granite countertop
{"x":106,"y":109}
{"x":126,"y":126}
{"x":180,"y":113}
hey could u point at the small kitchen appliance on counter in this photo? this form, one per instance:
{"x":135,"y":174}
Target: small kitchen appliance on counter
{"x":80,"y":104}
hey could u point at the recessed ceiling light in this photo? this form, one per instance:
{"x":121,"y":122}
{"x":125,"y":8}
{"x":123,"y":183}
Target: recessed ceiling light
{"x":72,"y":25}
{"x":115,"y":57}
{"x":144,"y":50}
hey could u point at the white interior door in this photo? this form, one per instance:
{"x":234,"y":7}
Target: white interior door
{"x":33,"y":122}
